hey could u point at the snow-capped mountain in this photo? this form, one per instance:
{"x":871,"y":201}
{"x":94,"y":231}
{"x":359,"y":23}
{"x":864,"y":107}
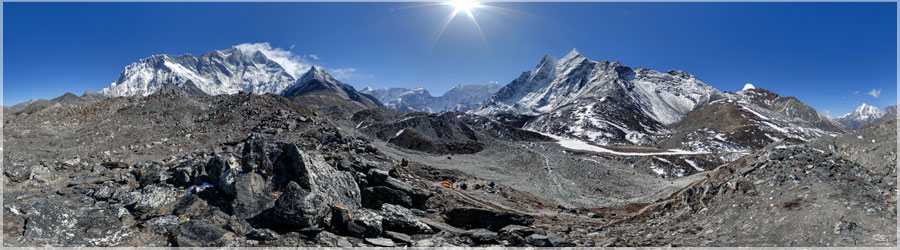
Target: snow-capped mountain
{"x":749,"y":119}
{"x":218,"y":72}
{"x":601,"y":102}
{"x":862,"y":116}
{"x":462,"y":97}
{"x":316,"y":80}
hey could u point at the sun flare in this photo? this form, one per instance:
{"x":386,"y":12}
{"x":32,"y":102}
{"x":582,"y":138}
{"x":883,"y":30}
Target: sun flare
{"x":464,"y":5}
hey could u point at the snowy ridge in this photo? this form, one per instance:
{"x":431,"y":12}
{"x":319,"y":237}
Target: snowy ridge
{"x":600,"y":101}
{"x":219,"y":72}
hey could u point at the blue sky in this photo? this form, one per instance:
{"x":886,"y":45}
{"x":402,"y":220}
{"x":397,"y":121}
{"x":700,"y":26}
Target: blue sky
{"x":827,"y":54}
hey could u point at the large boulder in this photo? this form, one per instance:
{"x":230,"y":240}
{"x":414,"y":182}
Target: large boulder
{"x":19,"y":173}
{"x":374,"y":197}
{"x":299,"y":207}
{"x":515,"y":235}
{"x":418,"y":196}
{"x":313,"y":186}
{"x":361,"y":223}
{"x":481,"y":236}
{"x":162,"y":224}
{"x":126,"y":195}
{"x":471,"y":218}
{"x":156,"y":200}
{"x":223,"y":170}
{"x":258,"y":154}
{"x":198,"y":233}
{"x":400,"y":219}
{"x":51,"y":224}
{"x":253,"y":194}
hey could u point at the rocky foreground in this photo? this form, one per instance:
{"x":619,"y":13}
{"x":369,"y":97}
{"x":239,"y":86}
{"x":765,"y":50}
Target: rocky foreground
{"x":248,"y":170}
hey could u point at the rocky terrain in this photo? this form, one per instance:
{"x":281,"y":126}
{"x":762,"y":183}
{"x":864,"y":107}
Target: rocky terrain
{"x":573,"y":153}
{"x":191,"y":176}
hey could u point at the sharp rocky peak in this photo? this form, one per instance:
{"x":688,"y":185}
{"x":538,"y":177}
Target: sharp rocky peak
{"x":317,"y":73}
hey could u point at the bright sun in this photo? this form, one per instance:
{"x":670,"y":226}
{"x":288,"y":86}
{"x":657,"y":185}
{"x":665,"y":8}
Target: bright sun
{"x":464,"y":5}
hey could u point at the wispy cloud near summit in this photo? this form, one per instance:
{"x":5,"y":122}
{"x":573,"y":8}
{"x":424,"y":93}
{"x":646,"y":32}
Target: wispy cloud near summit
{"x":293,"y":64}
{"x":875,"y":93}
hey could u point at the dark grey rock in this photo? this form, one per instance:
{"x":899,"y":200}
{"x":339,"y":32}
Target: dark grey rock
{"x":102,"y":192}
{"x":18,"y":173}
{"x":365,"y":224}
{"x":515,"y":234}
{"x":538,"y":240}
{"x":151,"y":174}
{"x":156,"y":200}
{"x":51,"y":223}
{"x":374,"y":197}
{"x":481,"y":236}
{"x":258,"y":154}
{"x":557,"y":241}
{"x":162,"y":224}
{"x":419,"y":196}
{"x":400,"y":219}
{"x":252,"y":195}
{"x":361,"y":223}
{"x":380,"y":242}
{"x":182,"y":176}
{"x":222,"y":170}
{"x":470,"y":218}
{"x":264,"y":234}
{"x":190,"y":204}
{"x":126,"y":195}
{"x":400,"y":237}
{"x":300,"y":207}
{"x":198,"y":233}
{"x":313,"y":187}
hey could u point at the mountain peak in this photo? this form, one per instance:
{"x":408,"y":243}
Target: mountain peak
{"x":748,"y":86}
{"x":863,"y":115}
{"x":866,"y":109}
{"x":572,"y":55}
{"x":547,"y":59}
{"x":318,"y":73}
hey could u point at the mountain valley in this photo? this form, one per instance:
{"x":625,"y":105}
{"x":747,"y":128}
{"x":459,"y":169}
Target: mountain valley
{"x":230,"y":149}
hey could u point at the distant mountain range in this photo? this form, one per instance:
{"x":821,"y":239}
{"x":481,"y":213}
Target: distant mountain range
{"x":462,"y":97}
{"x":865,"y":115}
{"x":607,"y":103}
{"x":600,"y":102}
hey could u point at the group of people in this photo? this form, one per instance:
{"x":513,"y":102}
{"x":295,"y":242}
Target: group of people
{"x":463,"y":186}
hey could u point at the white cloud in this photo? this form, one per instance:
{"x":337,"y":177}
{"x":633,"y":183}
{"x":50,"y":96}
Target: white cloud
{"x":856,"y":92}
{"x":297,"y":65}
{"x":291,"y":63}
{"x":875,"y":93}
{"x":827,"y":113}
{"x":343,"y":73}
